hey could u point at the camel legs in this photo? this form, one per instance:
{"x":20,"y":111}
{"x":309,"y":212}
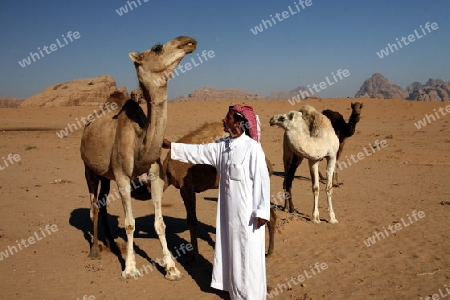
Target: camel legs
{"x":105,"y":185}
{"x":314,"y":171}
{"x":331,"y":163}
{"x":123,"y":184}
{"x":291,"y":163}
{"x":93,"y":181}
{"x":189,"y":199}
{"x":336,"y":182}
{"x":157,"y":188}
{"x":271,"y":227}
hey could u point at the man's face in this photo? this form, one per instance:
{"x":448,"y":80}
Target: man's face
{"x":229,"y":124}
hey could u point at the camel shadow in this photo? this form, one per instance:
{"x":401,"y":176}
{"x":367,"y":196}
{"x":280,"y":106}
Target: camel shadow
{"x":200,"y":270}
{"x":281,"y":174}
{"x":214,"y":199}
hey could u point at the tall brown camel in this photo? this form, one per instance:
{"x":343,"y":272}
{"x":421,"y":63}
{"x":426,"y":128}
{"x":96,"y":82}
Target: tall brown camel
{"x":191,"y":179}
{"x":343,"y":130}
{"x":126,"y":143}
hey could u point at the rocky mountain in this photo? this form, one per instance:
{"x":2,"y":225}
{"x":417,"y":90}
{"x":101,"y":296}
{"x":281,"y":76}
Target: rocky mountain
{"x":298,"y":93}
{"x":204,"y":94}
{"x":380,"y":87}
{"x":10,"y":102}
{"x":432,"y":90}
{"x":87,"y":91}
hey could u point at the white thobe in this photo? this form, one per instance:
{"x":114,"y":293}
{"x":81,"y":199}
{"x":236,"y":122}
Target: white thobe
{"x":244,"y":193}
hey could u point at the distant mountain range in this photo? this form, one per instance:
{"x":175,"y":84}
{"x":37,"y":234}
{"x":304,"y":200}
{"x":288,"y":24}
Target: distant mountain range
{"x":380,"y":87}
{"x":95,"y":91}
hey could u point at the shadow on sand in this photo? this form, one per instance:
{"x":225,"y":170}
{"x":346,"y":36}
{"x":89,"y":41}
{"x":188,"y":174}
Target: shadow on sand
{"x":200,"y":270}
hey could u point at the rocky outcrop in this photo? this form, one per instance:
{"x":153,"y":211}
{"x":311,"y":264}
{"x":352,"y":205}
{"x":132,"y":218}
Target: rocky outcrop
{"x":87,"y":91}
{"x":299,"y":93}
{"x":380,"y":87}
{"x":205,"y":94}
{"x":10,"y":102}
{"x":432,"y":90}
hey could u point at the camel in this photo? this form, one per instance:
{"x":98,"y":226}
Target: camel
{"x":308,"y":134}
{"x":343,"y":130}
{"x":126,"y":143}
{"x":191,"y":179}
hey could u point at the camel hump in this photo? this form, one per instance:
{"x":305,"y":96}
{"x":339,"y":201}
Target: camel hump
{"x":207,"y":133}
{"x":315,"y":120}
{"x":118,"y":97}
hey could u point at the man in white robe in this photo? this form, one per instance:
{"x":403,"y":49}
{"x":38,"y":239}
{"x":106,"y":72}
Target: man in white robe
{"x":243,"y":203}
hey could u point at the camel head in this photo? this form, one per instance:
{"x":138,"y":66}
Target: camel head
{"x":356,"y":111}
{"x":154,"y":67}
{"x":286,"y":121}
{"x":356,"y":107}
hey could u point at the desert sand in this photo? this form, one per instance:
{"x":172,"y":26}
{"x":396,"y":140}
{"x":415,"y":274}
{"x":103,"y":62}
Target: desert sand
{"x":403,"y":186}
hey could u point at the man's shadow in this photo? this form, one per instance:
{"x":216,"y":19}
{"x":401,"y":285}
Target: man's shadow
{"x":200,"y":270}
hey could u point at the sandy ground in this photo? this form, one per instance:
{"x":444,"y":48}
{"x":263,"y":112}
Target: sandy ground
{"x":45,"y":186}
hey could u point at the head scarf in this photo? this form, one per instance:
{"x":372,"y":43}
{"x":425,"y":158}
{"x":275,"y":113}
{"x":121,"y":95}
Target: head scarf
{"x":252,"y":120}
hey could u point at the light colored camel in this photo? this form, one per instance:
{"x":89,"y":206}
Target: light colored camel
{"x":126,"y":143}
{"x":343,"y":130}
{"x":191,"y":179}
{"x":308,"y":134}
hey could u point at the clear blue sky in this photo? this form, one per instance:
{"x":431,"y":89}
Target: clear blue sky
{"x":300,"y":50}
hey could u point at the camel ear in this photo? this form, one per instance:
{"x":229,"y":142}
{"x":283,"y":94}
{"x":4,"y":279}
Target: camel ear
{"x":135,"y":56}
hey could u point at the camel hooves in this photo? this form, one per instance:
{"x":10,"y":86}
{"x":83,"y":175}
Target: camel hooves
{"x":333,"y":221}
{"x":131,"y":274}
{"x":177,"y":276}
{"x":94,"y":253}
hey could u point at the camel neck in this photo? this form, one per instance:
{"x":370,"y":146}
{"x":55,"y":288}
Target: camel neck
{"x":156,"y":99}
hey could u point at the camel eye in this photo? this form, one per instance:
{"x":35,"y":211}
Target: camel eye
{"x":157,"y":49}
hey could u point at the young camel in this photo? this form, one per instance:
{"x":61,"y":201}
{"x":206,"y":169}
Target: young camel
{"x":308,"y":134}
{"x":343,"y":130}
{"x":191,"y":179}
{"x":126,"y":143}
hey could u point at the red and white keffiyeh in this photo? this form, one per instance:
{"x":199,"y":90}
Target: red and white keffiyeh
{"x":252,"y":118}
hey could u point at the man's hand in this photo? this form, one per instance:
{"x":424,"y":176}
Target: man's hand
{"x":166,"y":144}
{"x":260,"y":222}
